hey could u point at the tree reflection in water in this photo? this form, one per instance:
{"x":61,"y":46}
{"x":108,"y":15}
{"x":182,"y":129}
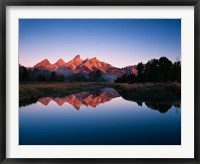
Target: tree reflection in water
{"x":93,"y":98}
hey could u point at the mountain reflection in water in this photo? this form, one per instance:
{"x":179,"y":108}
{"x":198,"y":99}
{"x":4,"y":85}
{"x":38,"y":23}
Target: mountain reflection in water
{"x":86,"y":98}
{"x":95,"y":97}
{"x":99,"y":117}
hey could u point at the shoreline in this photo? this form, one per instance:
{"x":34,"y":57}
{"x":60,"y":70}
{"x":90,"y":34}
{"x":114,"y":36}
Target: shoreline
{"x":138,"y":92}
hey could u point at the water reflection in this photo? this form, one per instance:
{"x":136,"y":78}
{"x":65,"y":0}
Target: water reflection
{"x":115,"y":120}
{"x":87,"y":98}
{"x":162,"y":108}
{"x":93,"y":98}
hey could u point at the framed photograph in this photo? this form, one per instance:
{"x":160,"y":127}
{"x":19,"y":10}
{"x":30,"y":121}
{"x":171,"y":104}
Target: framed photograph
{"x":99,"y":81}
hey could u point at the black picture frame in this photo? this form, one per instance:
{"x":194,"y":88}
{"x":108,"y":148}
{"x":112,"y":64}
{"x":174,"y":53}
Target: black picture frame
{"x":5,"y":3}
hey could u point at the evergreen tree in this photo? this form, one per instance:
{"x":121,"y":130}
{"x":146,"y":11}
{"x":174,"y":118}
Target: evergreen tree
{"x":53,"y":77}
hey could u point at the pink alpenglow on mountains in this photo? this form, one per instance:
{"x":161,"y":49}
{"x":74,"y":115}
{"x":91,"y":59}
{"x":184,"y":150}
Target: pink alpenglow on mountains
{"x":85,"y":66}
{"x":60,"y":62}
{"x":45,"y":64}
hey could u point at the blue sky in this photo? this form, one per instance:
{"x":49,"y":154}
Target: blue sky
{"x":120,"y":42}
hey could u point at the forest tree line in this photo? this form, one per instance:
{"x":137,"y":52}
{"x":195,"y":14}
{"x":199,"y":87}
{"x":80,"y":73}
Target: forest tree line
{"x":36,"y":75}
{"x":155,"y":70}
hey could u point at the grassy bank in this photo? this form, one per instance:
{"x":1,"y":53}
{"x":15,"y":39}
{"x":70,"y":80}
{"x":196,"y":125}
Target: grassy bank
{"x":30,"y":92}
{"x":161,"y":92}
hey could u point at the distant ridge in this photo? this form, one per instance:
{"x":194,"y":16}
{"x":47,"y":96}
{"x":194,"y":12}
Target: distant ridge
{"x":78,"y":65}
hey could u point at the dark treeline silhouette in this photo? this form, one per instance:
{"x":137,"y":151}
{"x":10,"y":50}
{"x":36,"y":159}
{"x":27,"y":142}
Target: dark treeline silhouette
{"x":155,"y":70}
{"x":29,"y":75}
{"x":36,"y":75}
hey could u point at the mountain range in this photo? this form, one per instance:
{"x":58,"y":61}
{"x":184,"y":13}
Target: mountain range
{"x":85,"y":66}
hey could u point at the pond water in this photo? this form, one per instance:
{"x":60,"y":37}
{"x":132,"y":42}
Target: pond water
{"x":100,"y":117}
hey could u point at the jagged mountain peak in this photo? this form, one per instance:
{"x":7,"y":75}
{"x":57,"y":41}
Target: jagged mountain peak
{"x":94,"y":59}
{"x":77,"y":58}
{"x":43,"y":63}
{"x":60,"y":62}
{"x":46,"y":61}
